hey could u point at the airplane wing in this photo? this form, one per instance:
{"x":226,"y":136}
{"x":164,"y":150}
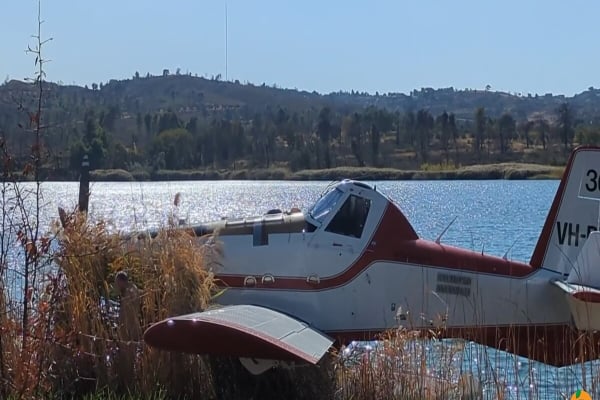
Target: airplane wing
{"x":240,"y":331}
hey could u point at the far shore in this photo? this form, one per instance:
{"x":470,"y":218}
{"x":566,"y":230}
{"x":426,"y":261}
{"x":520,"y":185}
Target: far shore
{"x":509,"y":171}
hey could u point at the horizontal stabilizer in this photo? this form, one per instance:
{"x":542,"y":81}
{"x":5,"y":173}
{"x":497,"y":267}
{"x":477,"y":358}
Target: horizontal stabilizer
{"x":240,"y":331}
{"x":586,"y":270}
{"x":584,"y":303}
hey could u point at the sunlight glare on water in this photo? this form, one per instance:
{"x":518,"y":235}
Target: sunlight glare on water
{"x":491,"y":215}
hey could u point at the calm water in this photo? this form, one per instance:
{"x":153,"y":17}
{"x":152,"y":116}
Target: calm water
{"x":493,"y":216}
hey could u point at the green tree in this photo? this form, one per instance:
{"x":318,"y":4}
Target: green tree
{"x":565,"y":124}
{"x":120,"y":156}
{"x":97,"y":153}
{"x":177,"y":145}
{"x":480,"y":128}
{"x":168,"y":121}
{"x":443,"y":124}
{"x":148,"y":123}
{"x":192,"y":125}
{"x":76,"y":152}
{"x":355,"y":133}
{"x":543,"y":129}
{"x":526,"y":128}
{"x":424,"y":125}
{"x":139,"y":122}
{"x":375,"y":141}
{"x":454,"y":134}
{"x":324,"y":133}
{"x":506,"y":132}
{"x":410,"y":128}
{"x":109,"y":118}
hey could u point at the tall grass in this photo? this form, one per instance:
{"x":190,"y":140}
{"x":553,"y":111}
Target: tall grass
{"x":172,"y":277}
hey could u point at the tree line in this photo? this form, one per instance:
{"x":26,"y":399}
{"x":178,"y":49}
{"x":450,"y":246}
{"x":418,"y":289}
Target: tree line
{"x":316,"y":139}
{"x":309,"y":138}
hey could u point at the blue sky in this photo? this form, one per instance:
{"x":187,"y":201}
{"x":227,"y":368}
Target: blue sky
{"x":386,"y":46}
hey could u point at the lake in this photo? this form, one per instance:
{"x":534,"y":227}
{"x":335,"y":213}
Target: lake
{"x":495,"y":217}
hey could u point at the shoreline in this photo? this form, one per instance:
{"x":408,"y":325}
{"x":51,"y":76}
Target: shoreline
{"x":500,"y":171}
{"x":503,"y":171}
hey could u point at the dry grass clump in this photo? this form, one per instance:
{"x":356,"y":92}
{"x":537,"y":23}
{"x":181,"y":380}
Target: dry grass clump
{"x":91,"y":347}
{"x":399,"y":367}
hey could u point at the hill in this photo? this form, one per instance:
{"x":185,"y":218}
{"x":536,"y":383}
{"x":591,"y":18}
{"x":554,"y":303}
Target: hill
{"x":186,"y":122}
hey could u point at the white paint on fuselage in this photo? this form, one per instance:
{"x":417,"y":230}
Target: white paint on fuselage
{"x":287,"y":255}
{"x":377,"y":299}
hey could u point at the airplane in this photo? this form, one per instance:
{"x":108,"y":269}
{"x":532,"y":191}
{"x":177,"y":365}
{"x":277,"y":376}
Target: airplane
{"x":352,"y":267}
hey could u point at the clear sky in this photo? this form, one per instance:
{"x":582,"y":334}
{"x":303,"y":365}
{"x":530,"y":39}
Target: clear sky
{"x":376,"y":45}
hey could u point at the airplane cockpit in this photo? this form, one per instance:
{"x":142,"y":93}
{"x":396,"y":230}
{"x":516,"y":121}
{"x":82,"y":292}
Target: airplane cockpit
{"x":342,"y":210}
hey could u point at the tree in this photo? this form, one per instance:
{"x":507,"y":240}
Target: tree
{"x":526,"y":128}
{"x":109,"y":119}
{"x":506,"y":131}
{"x":398,"y":125}
{"x":139,"y":122}
{"x":120,"y":156}
{"x":168,"y":121}
{"x":410,"y":121}
{"x":444,"y":129}
{"x":148,"y":123}
{"x":76,"y":152}
{"x":543,"y":128}
{"x":424,"y":125}
{"x":177,"y":144}
{"x":375,"y":141}
{"x":351,"y":133}
{"x":192,"y":126}
{"x":565,"y":124}
{"x":97,"y":153}
{"x":324,"y":132}
{"x":480,"y":127}
{"x":454,"y":135}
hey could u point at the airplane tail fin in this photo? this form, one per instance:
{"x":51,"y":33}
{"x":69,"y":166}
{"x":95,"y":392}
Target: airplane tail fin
{"x":574,"y":213}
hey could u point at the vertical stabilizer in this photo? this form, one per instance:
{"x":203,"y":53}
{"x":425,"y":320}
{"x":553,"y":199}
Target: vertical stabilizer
{"x":574,"y":212}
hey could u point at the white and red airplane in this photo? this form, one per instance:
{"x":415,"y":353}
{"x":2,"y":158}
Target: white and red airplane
{"x":352,"y":267}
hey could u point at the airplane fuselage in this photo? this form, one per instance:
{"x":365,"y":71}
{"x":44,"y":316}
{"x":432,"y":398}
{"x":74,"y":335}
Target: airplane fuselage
{"x":349,"y":292}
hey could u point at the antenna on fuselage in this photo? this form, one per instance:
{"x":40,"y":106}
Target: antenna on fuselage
{"x":439,"y":238}
{"x":505,"y":256}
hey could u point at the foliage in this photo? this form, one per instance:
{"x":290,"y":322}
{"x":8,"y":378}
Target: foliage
{"x":173,"y":277}
{"x":184,"y":122}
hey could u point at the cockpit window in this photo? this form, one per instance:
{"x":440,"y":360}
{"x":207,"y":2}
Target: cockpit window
{"x":325,"y":204}
{"x":350,"y":219}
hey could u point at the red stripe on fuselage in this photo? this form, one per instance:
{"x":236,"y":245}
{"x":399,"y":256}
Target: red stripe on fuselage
{"x":395,"y":241}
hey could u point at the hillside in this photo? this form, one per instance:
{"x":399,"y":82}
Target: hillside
{"x":185,"y":122}
{"x":185,"y":92}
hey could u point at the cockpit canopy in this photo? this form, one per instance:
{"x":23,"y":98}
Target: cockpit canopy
{"x":342,"y":208}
